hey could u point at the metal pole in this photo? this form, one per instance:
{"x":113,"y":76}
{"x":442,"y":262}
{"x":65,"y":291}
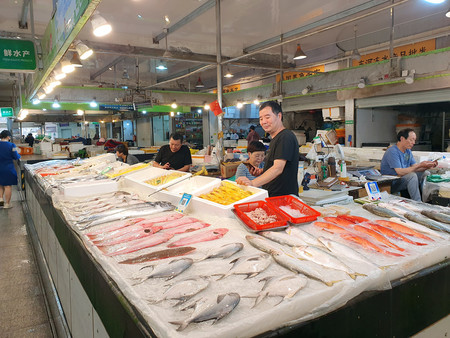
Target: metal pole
{"x":391,"y":35}
{"x":219,"y":74}
{"x":281,"y":66}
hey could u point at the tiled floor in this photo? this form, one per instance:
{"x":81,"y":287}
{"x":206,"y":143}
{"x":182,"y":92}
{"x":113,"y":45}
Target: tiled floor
{"x":22,"y":305}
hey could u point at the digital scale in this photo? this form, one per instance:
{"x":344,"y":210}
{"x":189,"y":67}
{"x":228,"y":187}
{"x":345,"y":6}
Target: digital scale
{"x":373,"y":192}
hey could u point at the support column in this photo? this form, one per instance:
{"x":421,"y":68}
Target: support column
{"x":219,"y":77}
{"x":349,"y":122}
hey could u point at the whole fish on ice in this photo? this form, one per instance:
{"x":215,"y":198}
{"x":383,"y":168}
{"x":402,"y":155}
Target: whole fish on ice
{"x":209,"y":235}
{"x":135,"y":245}
{"x":379,"y":211}
{"x":391,"y":233}
{"x":411,"y":228}
{"x":377,"y":236}
{"x":365,"y":243}
{"x":263,"y":244}
{"x":225,"y":251}
{"x":432,"y":224}
{"x":283,"y":238}
{"x":303,"y":235}
{"x":190,"y":227}
{"x":161,"y":254}
{"x":184,"y":290}
{"x":248,"y":265}
{"x":169,"y":270}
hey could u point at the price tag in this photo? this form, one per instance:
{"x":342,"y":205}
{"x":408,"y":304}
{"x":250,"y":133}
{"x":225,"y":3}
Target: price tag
{"x":373,"y":191}
{"x":184,"y":202}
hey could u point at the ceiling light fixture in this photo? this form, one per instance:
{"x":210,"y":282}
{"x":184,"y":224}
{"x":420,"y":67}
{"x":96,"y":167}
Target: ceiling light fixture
{"x":41,"y":95}
{"x":199,"y":83}
{"x":83,"y":50}
{"x":67,"y":67}
{"x":299,"y":54}
{"x":125,"y":75}
{"x":144,"y":112}
{"x":199,"y":110}
{"x":362,"y":83}
{"x":178,"y":113}
{"x":56,"y":103}
{"x":36,"y":101}
{"x":206,"y":106}
{"x":410,"y":78}
{"x":239,"y":105}
{"x":435,"y":1}
{"x":44,"y":109}
{"x":355,"y":53}
{"x":161,"y":66}
{"x":306,"y":90}
{"x":448,"y":13}
{"x":23,"y":113}
{"x":80,"y":112}
{"x":54,"y":82}
{"x":174,"y":104}
{"x":256,"y":101}
{"x":93,"y":103}
{"x":228,"y":73}
{"x":172,"y":114}
{"x":76,"y":62}
{"x":59,"y":74}
{"x":48,"y":89}
{"x":100,"y":26}
{"x":166,"y":19}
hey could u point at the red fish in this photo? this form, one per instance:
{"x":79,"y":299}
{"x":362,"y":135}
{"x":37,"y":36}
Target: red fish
{"x":115,"y":227}
{"x":403,"y":229}
{"x":187,"y":228}
{"x":135,"y":245}
{"x":379,"y":237}
{"x":177,"y":222}
{"x":390,"y":233}
{"x":368,"y":244}
{"x":205,"y":236}
{"x":130,"y":236}
{"x":353,"y":219}
{"x":329,"y":227}
{"x":339,"y":221}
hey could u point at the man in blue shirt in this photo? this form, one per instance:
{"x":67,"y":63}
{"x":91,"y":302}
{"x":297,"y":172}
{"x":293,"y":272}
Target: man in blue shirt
{"x":398,"y":160}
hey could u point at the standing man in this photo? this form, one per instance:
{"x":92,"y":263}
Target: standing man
{"x":279,"y":176}
{"x":398,"y":160}
{"x":252,"y":135}
{"x":174,"y":155}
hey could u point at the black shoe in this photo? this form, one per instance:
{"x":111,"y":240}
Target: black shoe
{"x":2,"y":203}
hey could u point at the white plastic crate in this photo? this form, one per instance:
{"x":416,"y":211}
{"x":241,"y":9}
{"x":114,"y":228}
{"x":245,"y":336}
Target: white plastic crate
{"x":150,"y":173}
{"x":81,"y":189}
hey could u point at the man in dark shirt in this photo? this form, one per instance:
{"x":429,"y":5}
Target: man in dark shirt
{"x":174,"y":155}
{"x":279,"y":175}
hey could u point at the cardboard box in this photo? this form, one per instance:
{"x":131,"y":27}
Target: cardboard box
{"x":228,"y":169}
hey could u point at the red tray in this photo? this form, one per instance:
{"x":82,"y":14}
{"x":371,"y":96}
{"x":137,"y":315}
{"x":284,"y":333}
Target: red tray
{"x":294,"y":203}
{"x":241,"y":208}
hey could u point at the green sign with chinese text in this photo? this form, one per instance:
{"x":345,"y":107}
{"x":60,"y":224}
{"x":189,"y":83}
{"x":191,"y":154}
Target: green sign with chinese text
{"x":7,"y":112}
{"x":17,"y":55}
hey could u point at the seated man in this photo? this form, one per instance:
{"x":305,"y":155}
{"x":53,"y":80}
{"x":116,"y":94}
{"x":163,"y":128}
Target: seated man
{"x":174,"y":155}
{"x":122,"y":155}
{"x":398,"y":160}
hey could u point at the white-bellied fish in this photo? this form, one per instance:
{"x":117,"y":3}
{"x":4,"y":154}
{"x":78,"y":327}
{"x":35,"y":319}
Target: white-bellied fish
{"x":248,"y":265}
{"x":437,"y":216}
{"x":160,"y":254}
{"x":432,"y":224}
{"x":169,"y":270}
{"x":379,"y":211}
{"x":184,"y":290}
{"x":264,"y":244}
{"x":225,"y":251}
{"x":303,"y":235}
{"x":283,"y":238}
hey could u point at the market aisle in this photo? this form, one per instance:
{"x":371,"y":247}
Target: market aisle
{"x":22,"y":306}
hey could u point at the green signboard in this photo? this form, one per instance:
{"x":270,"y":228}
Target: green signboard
{"x":7,"y":112}
{"x":17,"y":55}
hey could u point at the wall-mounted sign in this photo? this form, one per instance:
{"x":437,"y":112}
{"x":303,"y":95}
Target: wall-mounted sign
{"x":7,"y":112}
{"x":120,"y":107}
{"x":230,"y":89}
{"x":302,"y":73}
{"x":17,"y":55}
{"x":406,"y":50}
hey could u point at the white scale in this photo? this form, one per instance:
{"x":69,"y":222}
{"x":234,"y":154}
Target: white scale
{"x":373,"y":191}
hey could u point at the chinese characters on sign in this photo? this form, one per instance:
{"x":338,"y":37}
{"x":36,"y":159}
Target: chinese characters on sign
{"x":406,"y":50}
{"x":17,"y":55}
{"x":301,"y":73}
{"x":230,"y":89}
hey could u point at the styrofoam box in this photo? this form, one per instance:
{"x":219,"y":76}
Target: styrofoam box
{"x":82,"y":189}
{"x":192,"y":185}
{"x":75,"y":146}
{"x":152,"y":172}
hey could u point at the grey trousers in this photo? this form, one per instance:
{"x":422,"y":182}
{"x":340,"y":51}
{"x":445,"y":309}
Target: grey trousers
{"x":411,"y":182}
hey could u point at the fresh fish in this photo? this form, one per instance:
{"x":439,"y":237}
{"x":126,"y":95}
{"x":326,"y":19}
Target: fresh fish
{"x":303,"y":235}
{"x":339,"y":221}
{"x":161,"y":254}
{"x":225,"y":251}
{"x":391,"y":233}
{"x":177,"y":222}
{"x":187,"y":228}
{"x":437,"y":216}
{"x":169,"y":270}
{"x":283,"y":238}
{"x":344,"y":250}
{"x":353,"y":219}
{"x":122,"y":208}
{"x":156,"y":208}
{"x":309,"y":269}
{"x":105,"y":231}
{"x":379,"y":211}
{"x":377,"y":236}
{"x":224,"y":305}
{"x":395,"y":208}
{"x":135,"y":245}
{"x":285,"y":286}
{"x":432,"y":224}
{"x":263,"y":244}
{"x":248,"y":265}
{"x":209,"y":235}
{"x":184,"y":289}
{"x":368,"y":244}
{"x":134,"y":233}
{"x":411,"y":228}
{"x":321,"y":257}
{"x":330,"y":227}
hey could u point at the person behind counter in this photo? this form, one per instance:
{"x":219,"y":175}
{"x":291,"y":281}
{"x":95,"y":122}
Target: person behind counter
{"x":256,"y":152}
{"x":174,"y":155}
{"x":398,"y":160}
{"x":8,"y":174}
{"x":122,"y":154}
{"x":279,"y":176}
{"x":252,"y":135}
{"x":29,"y":139}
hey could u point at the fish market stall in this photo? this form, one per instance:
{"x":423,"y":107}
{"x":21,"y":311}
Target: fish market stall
{"x":145,"y":269}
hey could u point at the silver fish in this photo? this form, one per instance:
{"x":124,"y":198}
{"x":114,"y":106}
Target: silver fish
{"x":185,"y":289}
{"x":223,"y":306}
{"x":303,"y":235}
{"x":309,"y":269}
{"x":113,"y":211}
{"x":224,"y":251}
{"x":156,"y":207}
{"x":169,"y":270}
{"x":263,"y":244}
{"x":285,"y":286}
{"x":432,"y":224}
{"x":248,"y":265}
{"x":283,"y":238}
{"x":321,"y":257}
{"x":437,"y":216}
{"x":379,"y":211}
{"x":398,"y":209}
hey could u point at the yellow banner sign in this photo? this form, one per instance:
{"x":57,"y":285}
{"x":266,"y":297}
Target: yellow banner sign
{"x":412,"y":49}
{"x":230,"y":88}
{"x":301,"y":73}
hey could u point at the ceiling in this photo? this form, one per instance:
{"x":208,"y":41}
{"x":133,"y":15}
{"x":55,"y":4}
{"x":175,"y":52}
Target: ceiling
{"x":250,"y":36}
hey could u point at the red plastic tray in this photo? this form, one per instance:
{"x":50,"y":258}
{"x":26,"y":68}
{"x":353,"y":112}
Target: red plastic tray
{"x":242,"y":208}
{"x":294,"y":203}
